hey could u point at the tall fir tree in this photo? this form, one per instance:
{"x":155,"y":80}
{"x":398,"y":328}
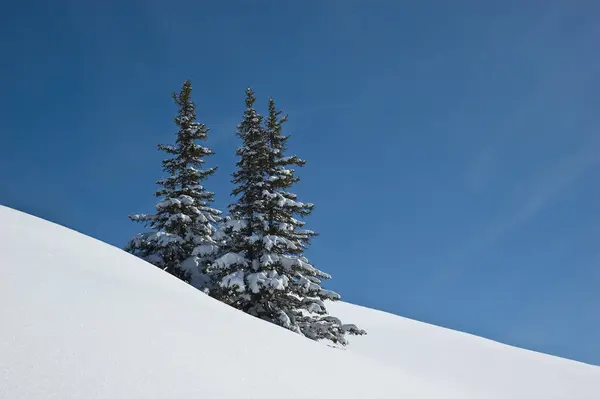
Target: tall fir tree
{"x":182,"y":241}
{"x":263,"y":270}
{"x":239,"y":253}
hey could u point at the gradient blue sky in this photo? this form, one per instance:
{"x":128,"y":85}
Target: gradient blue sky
{"x":453,"y":147}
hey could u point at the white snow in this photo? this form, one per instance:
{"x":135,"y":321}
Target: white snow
{"x":266,"y":279}
{"x":186,"y":200}
{"x":82,"y":319}
{"x":205,"y":250}
{"x":178,"y":217}
{"x":236,"y":224}
{"x":235,"y":279}
{"x":167,"y":203}
{"x":270,"y":241}
{"x":490,"y":369}
{"x":160,"y":238}
{"x":229,"y":259}
{"x":289,"y":261}
{"x":176,"y":202}
{"x":191,"y":265}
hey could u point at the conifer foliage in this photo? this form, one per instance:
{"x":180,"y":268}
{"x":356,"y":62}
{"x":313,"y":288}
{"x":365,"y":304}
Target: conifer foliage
{"x":183,"y":226}
{"x":261,"y":268}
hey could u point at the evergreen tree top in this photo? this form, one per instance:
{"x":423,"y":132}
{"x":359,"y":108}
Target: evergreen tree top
{"x":250,"y":97}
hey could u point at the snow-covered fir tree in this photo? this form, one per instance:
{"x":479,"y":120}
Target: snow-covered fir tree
{"x":239,"y":253}
{"x":262,"y":269}
{"x":183,"y":226}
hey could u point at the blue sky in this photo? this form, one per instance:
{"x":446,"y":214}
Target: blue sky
{"x":453,"y":147}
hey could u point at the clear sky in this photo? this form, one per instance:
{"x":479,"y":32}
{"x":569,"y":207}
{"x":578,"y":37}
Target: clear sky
{"x":453,"y":148}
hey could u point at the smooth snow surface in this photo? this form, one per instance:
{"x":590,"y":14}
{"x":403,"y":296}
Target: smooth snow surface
{"x":82,"y":319}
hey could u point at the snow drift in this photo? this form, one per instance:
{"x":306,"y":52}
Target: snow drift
{"x":82,"y":319}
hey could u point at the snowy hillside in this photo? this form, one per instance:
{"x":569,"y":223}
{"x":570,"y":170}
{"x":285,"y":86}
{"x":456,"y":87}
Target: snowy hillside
{"x":82,"y":319}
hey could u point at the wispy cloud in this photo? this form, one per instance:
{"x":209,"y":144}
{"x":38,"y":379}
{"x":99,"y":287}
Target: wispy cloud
{"x":557,"y":78}
{"x":545,"y":188}
{"x":557,"y":105}
{"x":533,"y":198}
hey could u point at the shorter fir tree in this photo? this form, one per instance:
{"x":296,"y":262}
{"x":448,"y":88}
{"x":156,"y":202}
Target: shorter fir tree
{"x":181,"y":241}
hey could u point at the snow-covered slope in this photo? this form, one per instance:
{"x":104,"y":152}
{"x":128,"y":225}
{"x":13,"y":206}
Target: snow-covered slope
{"x":489,"y":369}
{"x":82,"y":319}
